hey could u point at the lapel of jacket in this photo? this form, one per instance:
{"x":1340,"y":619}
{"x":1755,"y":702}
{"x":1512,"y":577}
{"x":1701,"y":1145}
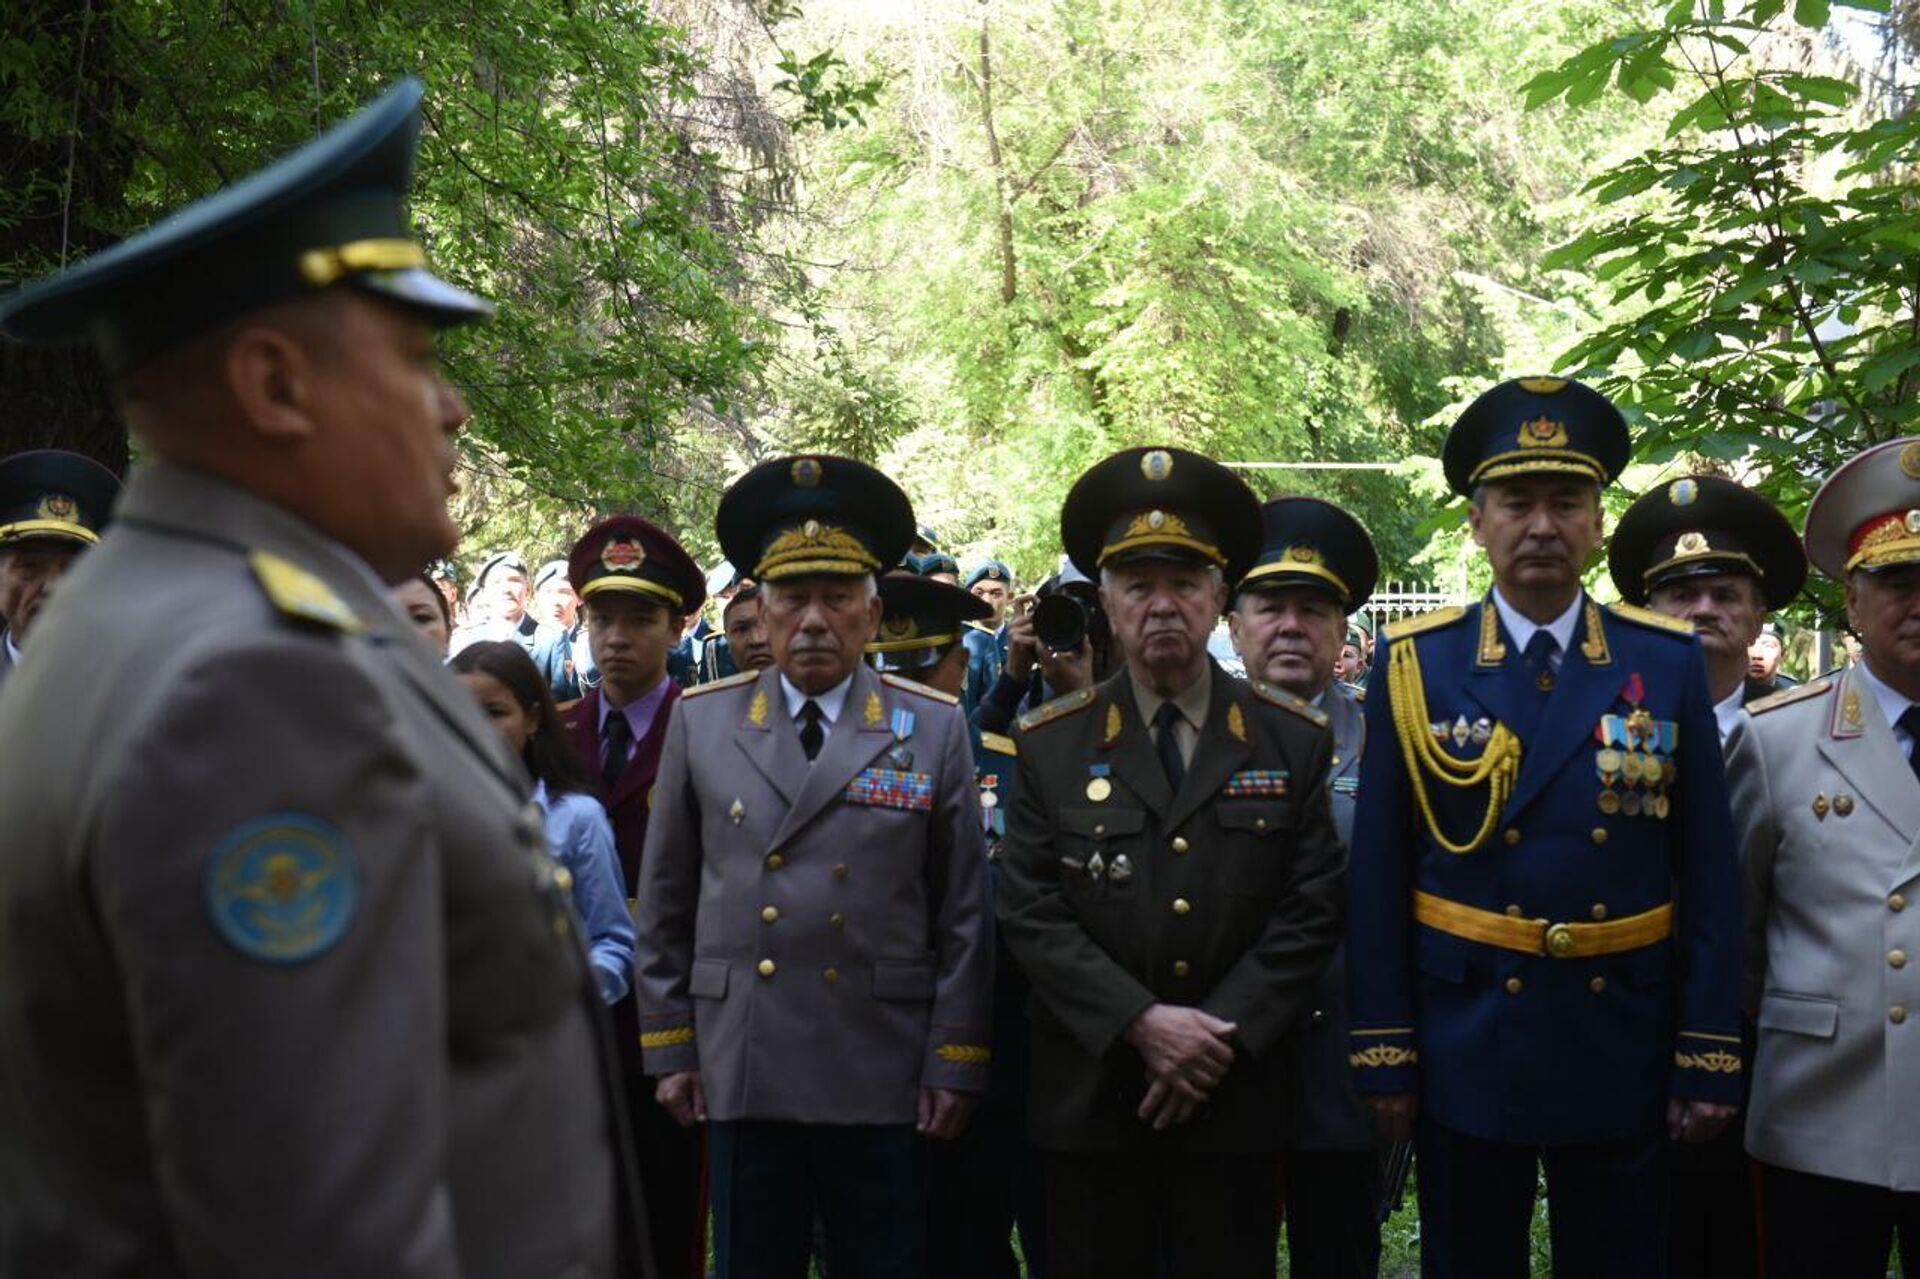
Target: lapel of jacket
{"x":644,"y":766}
{"x":1588,"y":683}
{"x":583,"y":729}
{"x":1860,"y":746}
{"x":1348,"y":720}
{"x":1219,"y":752}
{"x":1496,"y":664}
{"x":860,"y":733}
{"x":766,"y":735}
{"x":1127,"y":747}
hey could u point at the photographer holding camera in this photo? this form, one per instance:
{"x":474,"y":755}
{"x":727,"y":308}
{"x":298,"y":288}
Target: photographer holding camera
{"x":1058,"y":641}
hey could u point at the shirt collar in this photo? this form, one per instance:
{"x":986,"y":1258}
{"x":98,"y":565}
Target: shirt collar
{"x":832,"y":702}
{"x":1893,"y":704}
{"x":13,"y":649}
{"x":640,"y":712}
{"x":1192,"y":701}
{"x":1522,"y":628}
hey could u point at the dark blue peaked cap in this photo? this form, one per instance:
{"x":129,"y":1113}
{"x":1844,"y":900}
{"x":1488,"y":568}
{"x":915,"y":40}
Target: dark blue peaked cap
{"x":798,"y":516}
{"x":1536,"y":426}
{"x":52,"y":495}
{"x":1310,"y":542}
{"x":332,"y":212}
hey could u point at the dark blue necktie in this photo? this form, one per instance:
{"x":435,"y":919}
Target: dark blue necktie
{"x":616,"y":738}
{"x":1543,"y":660}
{"x":1167,"y":745}
{"x":812,"y":735}
{"x":1910,"y":721}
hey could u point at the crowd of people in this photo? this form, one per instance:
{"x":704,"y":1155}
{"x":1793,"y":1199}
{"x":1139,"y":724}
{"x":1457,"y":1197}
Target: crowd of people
{"x":831,"y":907}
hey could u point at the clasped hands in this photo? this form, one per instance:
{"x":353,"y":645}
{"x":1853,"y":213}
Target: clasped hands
{"x":1187,"y":1052}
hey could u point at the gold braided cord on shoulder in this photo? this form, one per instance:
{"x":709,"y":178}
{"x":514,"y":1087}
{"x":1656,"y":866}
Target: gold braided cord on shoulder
{"x":1496,"y":768}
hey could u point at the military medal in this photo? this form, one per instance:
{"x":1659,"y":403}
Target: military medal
{"x":1096,"y":864}
{"x":1609,"y":761}
{"x":1609,"y":802}
{"x":1098,"y":787}
{"x":1630,"y":803}
{"x":1482,"y":731}
{"x":737,"y":812}
{"x":1121,"y":871}
{"x":902,"y":725}
{"x":1462,"y":731}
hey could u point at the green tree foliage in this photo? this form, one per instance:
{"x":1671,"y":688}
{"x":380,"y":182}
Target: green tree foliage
{"x":1764,"y":258}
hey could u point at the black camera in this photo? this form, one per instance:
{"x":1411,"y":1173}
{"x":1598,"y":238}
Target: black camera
{"x":1060,"y":622}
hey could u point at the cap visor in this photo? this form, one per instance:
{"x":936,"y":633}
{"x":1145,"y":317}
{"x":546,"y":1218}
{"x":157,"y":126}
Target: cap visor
{"x":445,"y":304}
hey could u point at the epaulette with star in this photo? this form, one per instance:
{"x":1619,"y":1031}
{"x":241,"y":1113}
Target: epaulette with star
{"x":1058,"y":708}
{"x":911,"y":686}
{"x":731,"y":681}
{"x":1788,"y":696}
{"x":1274,"y":695}
{"x":1423,"y":622}
{"x":1650,"y":619}
{"x":300,"y":595}
{"x":999,"y":743}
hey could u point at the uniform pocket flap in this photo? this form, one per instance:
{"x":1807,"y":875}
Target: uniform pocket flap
{"x":902,"y":980}
{"x":1259,"y":816}
{"x":1095,"y":823}
{"x":708,"y":979}
{"x":1800,"y":1014}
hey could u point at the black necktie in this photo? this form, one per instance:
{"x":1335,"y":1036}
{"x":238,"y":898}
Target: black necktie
{"x":1910,"y":721}
{"x":1543,"y":659}
{"x":1167,"y":744}
{"x":812,"y":734}
{"x":616,"y":736}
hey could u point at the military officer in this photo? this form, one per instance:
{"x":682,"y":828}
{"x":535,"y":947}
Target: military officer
{"x":636,"y":586}
{"x":293,"y":985}
{"x":53,"y":506}
{"x":1544,"y":952}
{"x":1718,"y":556}
{"x":1289,"y":622}
{"x":743,"y":623}
{"x":986,"y":637}
{"x":1763,"y":659}
{"x":499,"y":597}
{"x":988,"y":1180}
{"x":1171,"y":886}
{"x":1827,"y":803}
{"x":815,"y":958}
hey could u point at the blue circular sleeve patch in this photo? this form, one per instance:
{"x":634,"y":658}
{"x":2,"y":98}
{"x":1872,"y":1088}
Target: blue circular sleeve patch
{"x":283,"y":888}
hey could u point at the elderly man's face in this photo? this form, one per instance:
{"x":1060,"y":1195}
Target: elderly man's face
{"x":1884,"y":609}
{"x":506,"y":593}
{"x":1291,"y":637}
{"x":1162,"y":612}
{"x":1725,"y":608}
{"x":747,"y":634}
{"x":28,"y":573}
{"x":819,"y":626}
{"x":557,"y":603}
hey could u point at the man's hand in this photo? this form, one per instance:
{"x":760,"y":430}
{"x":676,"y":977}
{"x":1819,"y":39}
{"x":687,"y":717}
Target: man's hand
{"x":1697,"y":1121}
{"x":683,"y":1097}
{"x":1022,"y":648}
{"x":1393,"y":1115}
{"x":944,"y":1113}
{"x":1186,"y":1048}
{"x":1068,"y":672}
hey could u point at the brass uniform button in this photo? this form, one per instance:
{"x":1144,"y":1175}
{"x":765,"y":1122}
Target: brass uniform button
{"x":1514,"y":912}
{"x":840,"y":871}
{"x":1259,"y":823}
{"x":563,"y":879}
{"x":1896,"y":903}
{"x":1099,"y":829}
{"x":775,"y":861}
{"x":1896,"y":1014}
{"x":768,"y":914}
{"x":1599,"y":834}
{"x":1515,"y":985}
{"x":1597,"y":985}
{"x":766,"y":968}
{"x":1599,"y":910}
{"x":1512,"y":837}
{"x":1181,"y":906}
{"x":832,"y":976}
{"x":1898,"y":958}
{"x":837,"y":921}
{"x":1180,"y":844}
{"x":1181,"y":968}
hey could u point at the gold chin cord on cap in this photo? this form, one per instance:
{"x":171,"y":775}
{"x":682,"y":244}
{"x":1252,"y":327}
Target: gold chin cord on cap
{"x":321,"y":267}
{"x":1496,"y":768}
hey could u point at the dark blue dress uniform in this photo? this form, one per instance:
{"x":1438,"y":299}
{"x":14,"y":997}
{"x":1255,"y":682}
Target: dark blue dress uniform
{"x":1544,"y":899}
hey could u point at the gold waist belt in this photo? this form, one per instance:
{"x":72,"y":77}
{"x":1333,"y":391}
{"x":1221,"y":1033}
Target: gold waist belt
{"x":1540,"y":937}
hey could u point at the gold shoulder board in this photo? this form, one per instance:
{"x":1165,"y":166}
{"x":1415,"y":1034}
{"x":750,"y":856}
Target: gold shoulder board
{"x":1423,"y":622}
{"x":910,"y":686}
{"x":1788,"y":696}
{"x":999,"y":743}
{"x":1647,"y":617}
{"x":1273,"y":695}
{"x":731,"y":681}
{"x":1058,"y":708}
{"x":299,"y":594}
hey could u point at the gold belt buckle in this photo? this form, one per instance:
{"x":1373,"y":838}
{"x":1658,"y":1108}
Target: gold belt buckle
{"x":1560,"y":941}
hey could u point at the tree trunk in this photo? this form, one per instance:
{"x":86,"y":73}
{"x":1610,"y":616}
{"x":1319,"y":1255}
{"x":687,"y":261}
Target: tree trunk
{"x":1003,"y":190}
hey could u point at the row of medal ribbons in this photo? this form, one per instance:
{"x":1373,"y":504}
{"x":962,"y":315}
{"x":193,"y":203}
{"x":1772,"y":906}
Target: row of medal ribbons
{"x":1637,"y":755}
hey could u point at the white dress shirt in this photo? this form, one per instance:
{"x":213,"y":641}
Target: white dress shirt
{"x":1726,"y":713}
{"x":1893,"y":705}
{"x":831,"y":702}
{"x":1522,"y":628}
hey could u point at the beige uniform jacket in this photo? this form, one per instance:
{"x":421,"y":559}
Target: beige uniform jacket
{"x":1828,"y":814}
{"x":816,"y":939}
{"x":290,"y":986}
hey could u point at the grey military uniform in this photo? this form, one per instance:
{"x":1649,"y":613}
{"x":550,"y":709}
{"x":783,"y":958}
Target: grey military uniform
{"x":815,"y":939}
{"x":1827,"y":811}
{"x":372,"y":1050}
{"x":1332,"y":1116}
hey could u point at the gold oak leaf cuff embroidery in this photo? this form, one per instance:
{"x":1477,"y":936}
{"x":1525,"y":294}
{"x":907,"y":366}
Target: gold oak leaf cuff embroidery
{"x":964,"y":1054}
{"x":667,"y":1038}
{"x":1718,"y":1061}
{"x":1383,"y":1055}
